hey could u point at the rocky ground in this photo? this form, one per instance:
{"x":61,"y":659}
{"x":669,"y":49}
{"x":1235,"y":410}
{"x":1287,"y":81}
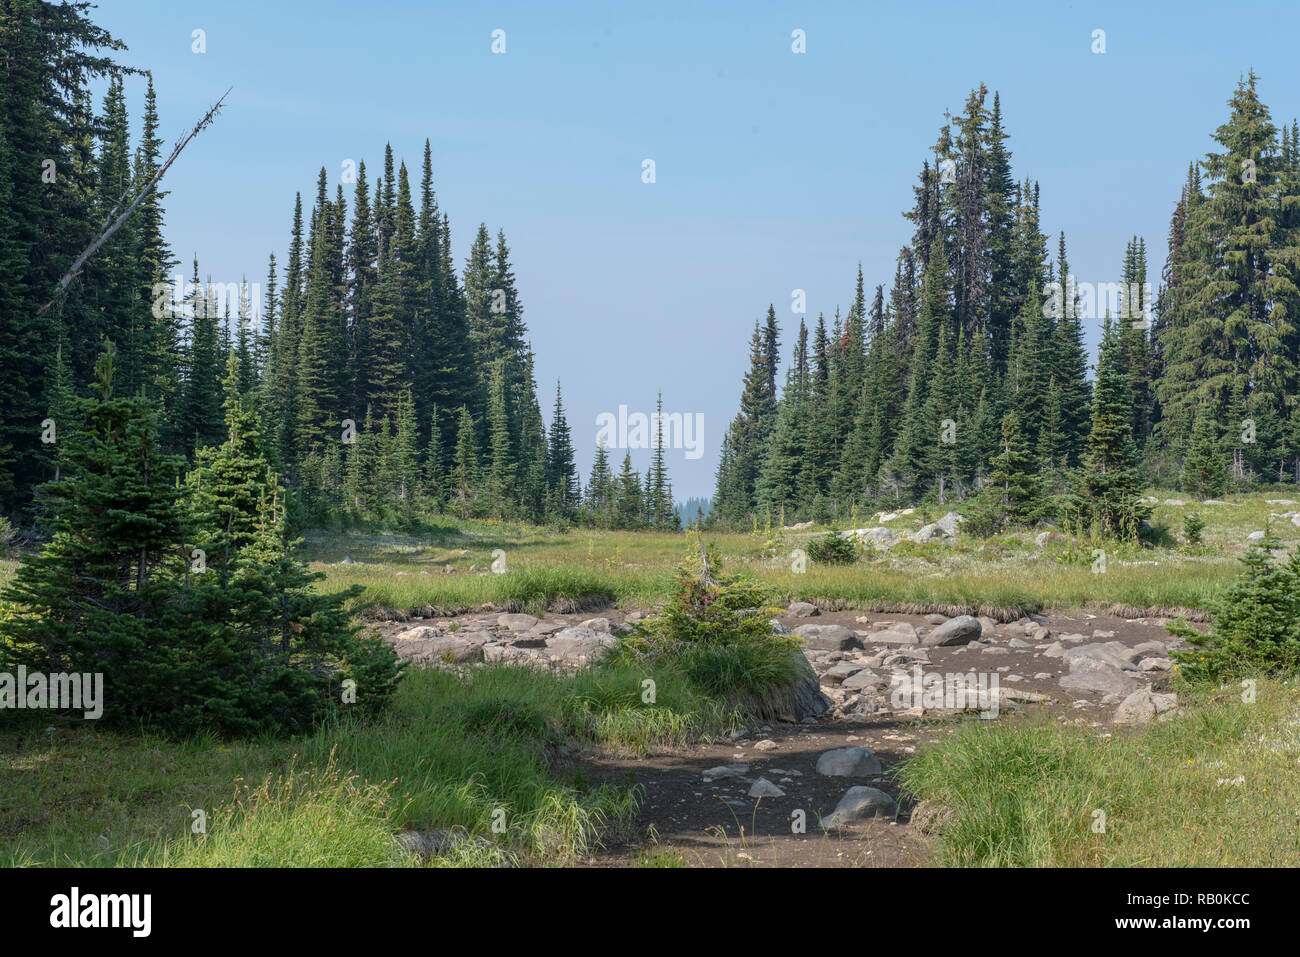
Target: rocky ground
{"x":817,"y":792}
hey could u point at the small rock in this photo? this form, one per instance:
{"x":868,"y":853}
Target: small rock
{"x":763,"y":788}
{"x":803,"y":609}
{"x":767,"y":744}
{"x":725,"y":771}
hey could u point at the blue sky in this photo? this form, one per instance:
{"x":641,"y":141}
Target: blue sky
{"x":775,"y":171}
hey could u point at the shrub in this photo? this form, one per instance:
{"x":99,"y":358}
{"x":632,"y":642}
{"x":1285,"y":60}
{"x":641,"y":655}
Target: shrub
{"x":1255,"y":625}
{"x":1193,"y":525}
{"x":832,"y":550}
{"x":716,"y":632}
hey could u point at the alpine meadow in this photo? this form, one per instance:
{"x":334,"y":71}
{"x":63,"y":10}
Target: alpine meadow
{"x":529,"y":436}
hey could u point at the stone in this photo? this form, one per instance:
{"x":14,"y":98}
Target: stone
{"x":1099,"y":656}
{"x":1143,"y":705}
{"x":1109,"y":681}
{"x":724,"y":772}
{"x":439,"y":649}
{"x":891,"y":638}
{"x":860,"y":803}
{"x":851,"y":762}
{"x":763,"y":788}
{"x":803,"y":609}
{"x":529,"y":640}
{"x":808,"y":700}
{"x":935,"y":619}
{"x":876,"y":536}
{"x":863,"y":680}
{"x":1022,"y":694}
{"x":827,"y":637}
{"x":844,"y":669}
{"x":579,"y":644}
{"x":516,"y":622}
{"x":1255,"y":536}
{"x":956,"y":631}
{"x":933,"y":532}
{"x":418,"y":633}
{"x":767,"y":744}
{"x":950,"y":523}
{"x":596,"y":624}
{"x":1155,"y":664}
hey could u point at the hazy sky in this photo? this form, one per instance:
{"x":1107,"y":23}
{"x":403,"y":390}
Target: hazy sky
{"x":775,"y":171}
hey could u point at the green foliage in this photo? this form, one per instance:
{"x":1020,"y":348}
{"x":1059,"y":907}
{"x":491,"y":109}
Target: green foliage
{"x":1204,"y":470}
{"x":832,"y":550}
{"x":187,"y":598}
{"x":1193,"y":526}
{"x":716,"y":631}
{"x":1256,"y":623}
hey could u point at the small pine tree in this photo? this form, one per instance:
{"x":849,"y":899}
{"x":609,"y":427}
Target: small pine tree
{"x":465,"y":465}
{"x":1012,"y":496}
{"x":1109,"y":490}
{"x":1256,"y":624}
{"x":1204,"y":469}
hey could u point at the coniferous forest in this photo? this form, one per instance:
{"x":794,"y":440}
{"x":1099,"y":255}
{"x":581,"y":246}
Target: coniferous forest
{"x":968,"y":370}
{"x":346,"y":560}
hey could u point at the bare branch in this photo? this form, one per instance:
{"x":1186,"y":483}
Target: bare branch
{"x":104,"y":236}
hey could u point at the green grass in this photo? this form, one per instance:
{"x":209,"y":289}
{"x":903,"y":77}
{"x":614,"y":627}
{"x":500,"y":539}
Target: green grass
{"x":432,"y":573}
{"x":1028,"y":793}
{"x":455,"y":751}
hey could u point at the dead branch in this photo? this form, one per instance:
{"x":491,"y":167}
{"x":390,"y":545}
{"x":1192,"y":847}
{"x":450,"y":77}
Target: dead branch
{"x":104,"y":236}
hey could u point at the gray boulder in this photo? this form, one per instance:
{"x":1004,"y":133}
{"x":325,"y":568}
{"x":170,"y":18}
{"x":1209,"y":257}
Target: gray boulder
{"x":827,"y":637}
{"x":725,"y":771}
{"x":514,"y":622}
{"x":576,"y":645}
{"x":875,"y":536}
{"x":860,"y":803}
{"x":1143,"y":705}
{"x":955,"y":631}
{"x":853,"y":762}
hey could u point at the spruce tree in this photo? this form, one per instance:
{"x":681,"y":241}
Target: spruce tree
{"x":1204,"y":470}
{"x":1109,"y":490}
